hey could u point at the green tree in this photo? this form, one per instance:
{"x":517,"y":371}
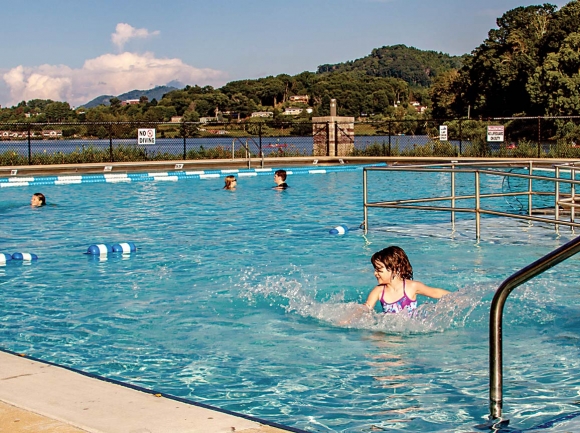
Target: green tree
{"x":493,"y":81}
{"x":115,"y":103}
{"x":556,"y":83}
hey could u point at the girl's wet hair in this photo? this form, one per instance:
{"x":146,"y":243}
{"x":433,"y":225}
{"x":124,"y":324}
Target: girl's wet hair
{"x":395,"y":260}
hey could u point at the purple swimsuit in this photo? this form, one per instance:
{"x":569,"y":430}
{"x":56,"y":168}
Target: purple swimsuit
{"x":398,"y":306}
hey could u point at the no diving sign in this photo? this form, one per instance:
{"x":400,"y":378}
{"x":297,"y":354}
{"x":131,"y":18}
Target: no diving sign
{"x":146,"y":136}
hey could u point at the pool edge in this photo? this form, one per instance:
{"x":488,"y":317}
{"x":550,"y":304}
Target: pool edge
{"x":96,"y":404}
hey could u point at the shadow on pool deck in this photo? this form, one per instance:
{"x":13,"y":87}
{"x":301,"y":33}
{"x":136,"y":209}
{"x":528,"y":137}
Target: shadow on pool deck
{"x":43,"y":397}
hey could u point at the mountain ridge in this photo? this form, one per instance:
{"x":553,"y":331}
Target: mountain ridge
{"x":156,"y":92}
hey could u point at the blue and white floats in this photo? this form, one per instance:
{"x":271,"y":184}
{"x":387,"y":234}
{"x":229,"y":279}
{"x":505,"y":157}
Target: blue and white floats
{"x":100,"y":249}
{"x":26,"y":257}
{"x":124,"y":247}
{"x":5,"y":258}
{"x":339,"y":230}
{"x":104,"y":249}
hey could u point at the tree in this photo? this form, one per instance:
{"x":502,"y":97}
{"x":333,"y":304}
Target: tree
{"x":444,"y":95}
{"x":556,"y":83}
{"x":115,"y":103}
{"x":58,"y":111}
{"x":494,"y":79}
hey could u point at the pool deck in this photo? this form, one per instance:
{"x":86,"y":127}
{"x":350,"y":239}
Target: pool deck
{"x":43,"y":397}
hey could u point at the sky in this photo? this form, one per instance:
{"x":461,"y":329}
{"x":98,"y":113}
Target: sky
{"x":76,"y":50}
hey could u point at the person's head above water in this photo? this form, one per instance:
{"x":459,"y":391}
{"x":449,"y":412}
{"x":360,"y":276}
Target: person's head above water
{"x":231,"y":182}
{"x":395,"y":260}
{"x":37,"y":199}
{"x":280,"y":179}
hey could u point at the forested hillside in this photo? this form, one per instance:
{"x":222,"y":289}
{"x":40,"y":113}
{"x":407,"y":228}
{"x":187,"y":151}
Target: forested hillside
{"x":414,"y":66}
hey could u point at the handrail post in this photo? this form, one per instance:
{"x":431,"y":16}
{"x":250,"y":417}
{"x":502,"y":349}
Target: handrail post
{"x":530,"y":192}
{"x":477,"y":207}
{"x":365,"y":208}
{"x":557,"y":198}
{"x":453,"y":195}
{"x":572,"y":196}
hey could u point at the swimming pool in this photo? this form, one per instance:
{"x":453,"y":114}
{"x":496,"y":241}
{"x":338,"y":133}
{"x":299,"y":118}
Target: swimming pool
{"x":235,"y":299}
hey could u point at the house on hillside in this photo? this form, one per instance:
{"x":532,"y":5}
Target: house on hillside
{"x":303,"y":99}
{"x":130,"y":102}
{"x":417,"y":106}
{"x":208,"y":119}
{"x":263,"y":114}
{"x":295,"y":111}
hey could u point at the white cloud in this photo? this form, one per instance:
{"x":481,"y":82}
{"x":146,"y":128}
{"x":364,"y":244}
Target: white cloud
{"x":109,"y":74}
{"x":124,"y":32}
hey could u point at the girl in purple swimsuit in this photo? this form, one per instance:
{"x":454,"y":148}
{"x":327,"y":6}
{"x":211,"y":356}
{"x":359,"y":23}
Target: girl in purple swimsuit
{"x":396,"y":290}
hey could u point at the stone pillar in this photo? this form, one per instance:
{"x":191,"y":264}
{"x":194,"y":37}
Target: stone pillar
{"x":333,"y":135}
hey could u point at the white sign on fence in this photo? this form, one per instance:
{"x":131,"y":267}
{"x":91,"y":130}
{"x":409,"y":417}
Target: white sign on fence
{"x":146,"y":136}
{"x":495,"y":133}
{"x":442,"y":132}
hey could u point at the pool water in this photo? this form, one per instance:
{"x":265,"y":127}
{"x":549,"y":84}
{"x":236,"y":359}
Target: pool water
{"x":243,"y":300}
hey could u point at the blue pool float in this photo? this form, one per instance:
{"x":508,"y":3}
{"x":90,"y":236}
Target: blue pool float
{"x":26,"y":257}
{"x":339,"y":230}
{"x":124,"y":247}
{"x":5,"y":258}
{"x":100,"y":249}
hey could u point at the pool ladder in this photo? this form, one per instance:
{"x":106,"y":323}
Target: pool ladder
{"x":495,"y":323}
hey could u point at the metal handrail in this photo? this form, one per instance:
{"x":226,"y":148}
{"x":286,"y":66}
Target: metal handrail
{"x":477,"y":210}
{"x":496,"y":317}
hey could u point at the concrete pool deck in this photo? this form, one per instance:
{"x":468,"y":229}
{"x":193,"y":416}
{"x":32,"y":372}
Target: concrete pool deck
{"x":43,"y":397}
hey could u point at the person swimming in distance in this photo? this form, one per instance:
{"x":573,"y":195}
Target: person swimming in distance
{"x":37,"y":200}
{"x":280,"y":179}
{"x":231,"y":183}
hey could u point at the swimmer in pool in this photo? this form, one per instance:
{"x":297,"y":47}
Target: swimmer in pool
{"x":231,"y":183}
{"x":396,"y":290}
{"x":280,"y":179}
{"x":37,"y":200}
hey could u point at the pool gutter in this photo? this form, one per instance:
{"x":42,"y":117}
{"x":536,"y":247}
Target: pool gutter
{"x":126,"y":167}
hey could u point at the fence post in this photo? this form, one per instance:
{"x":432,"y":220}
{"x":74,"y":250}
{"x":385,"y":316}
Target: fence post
{"x":111,"y":142}
{"x":460,"y":138}
{"x":29,"y":147}
{"x":390,"y":133}
{"x":260,"y":143}
{"x":539,"y":135}
{"x":184,"y":130}
{"x":335,"y":138}
{"x":327,"y":138}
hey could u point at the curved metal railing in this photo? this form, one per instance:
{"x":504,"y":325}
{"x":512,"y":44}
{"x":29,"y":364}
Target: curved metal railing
{"x":496,"y":317}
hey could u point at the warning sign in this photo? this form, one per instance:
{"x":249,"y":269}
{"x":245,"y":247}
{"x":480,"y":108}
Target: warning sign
{"x":495,"y":133}
{"x":146,"y":136}
{"x":442,"y":132}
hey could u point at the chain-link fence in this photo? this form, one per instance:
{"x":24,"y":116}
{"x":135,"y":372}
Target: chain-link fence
{"x":61,"y":143}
